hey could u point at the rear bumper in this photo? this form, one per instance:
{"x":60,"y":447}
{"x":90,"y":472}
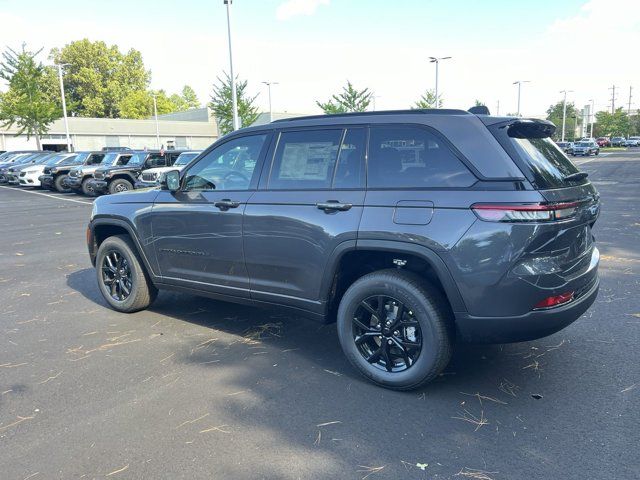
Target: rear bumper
{"x":530,"y":326}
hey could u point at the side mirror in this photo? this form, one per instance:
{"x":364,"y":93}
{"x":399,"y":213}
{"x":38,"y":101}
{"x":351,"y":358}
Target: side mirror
{"x":171,"y":181}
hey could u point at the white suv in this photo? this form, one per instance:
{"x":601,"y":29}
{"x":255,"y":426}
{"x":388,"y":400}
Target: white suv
{"x":30,"y":176}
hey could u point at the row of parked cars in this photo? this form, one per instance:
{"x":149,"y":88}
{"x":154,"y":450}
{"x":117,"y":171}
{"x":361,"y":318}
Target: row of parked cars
{"x":92,"y":172}
{"x":591,"y":146}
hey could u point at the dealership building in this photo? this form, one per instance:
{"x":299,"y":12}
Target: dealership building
{"x":191,"y":129}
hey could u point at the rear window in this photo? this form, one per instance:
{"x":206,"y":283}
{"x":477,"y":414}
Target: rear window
{"x":546,"y":162}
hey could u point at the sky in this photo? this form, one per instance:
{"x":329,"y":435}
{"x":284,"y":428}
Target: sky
{"x":312,"y":47}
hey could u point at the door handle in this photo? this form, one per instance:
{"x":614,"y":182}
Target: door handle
{"x":226,"y":204}
{"x":333,"y":206}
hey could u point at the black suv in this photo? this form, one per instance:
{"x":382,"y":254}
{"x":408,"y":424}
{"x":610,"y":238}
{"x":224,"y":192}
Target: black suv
{"x":122,"y":175}
{"x":56,"y":177}
{"x":410,"y":228}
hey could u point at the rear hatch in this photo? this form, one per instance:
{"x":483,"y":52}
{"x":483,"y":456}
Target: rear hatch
{"x":566,"y":237}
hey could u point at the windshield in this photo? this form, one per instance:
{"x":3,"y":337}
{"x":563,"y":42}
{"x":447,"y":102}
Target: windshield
{"x":583,"y":144}
{"x":109,"y":159}
{"x":136,"y":159}
{"x":185,"y":158}
{"x":81,"y":157}
{"x":53,"y":160}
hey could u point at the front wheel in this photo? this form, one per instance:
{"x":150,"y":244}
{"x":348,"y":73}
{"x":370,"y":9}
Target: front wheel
{"x":395,"y":328}
{"x":59,"y":184}
{"x":121,"y":276}
{"x":87,"y":189}
{"x":120,"y":185}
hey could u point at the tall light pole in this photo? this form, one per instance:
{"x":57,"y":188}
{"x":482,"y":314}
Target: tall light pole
{"x":64,"y":107}
{"x":564,"y":110}
{"x":234,"y":98}
{"x":155,"y":114}
{"x":268,"y":84}
{"x":436,"y":60}
{"x":519,"y":83}
{"x":592,"y":117}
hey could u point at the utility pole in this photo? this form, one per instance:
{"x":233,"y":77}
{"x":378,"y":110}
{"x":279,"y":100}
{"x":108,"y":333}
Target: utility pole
{"x":64,"y":107}
{"x":613,"y":99}
{"x":519,"y":83}
{"x":629,"y":108}
{"x":436,"y":60}
{"x":155,"y":114}
{"x":234,"y":97}
{"x":268,"y":84}
{"x":564,"y":110}
{"x":498,"y":108}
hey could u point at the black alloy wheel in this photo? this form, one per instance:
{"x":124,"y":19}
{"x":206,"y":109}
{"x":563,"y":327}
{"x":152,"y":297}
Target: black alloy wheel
{"x":116,"y":275}
{"x":386,"y":333}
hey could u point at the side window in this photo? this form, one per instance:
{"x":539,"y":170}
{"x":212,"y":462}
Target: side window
{"x":305,"y":160}
{"x":350,"y":168}
{"x":155,"y":160}
{"x":413,"y":157}
{"x":227,"y":167}
{"x":95,"y":159}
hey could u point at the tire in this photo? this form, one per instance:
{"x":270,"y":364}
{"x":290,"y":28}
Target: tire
{"x":120,"y":185}
{"x":424,"y":306}
{"x":59,"y":186}
{"x":597,"y":152}
{"x":86,"y":189}
{"x":142,"y":292}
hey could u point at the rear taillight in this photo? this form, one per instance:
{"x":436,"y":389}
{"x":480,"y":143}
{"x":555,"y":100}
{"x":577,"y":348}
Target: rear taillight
{"x":555,"y":300}
{"x":533,"y":212}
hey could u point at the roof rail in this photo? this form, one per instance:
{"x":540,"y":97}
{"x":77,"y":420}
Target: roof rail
{"x":424,"y":111}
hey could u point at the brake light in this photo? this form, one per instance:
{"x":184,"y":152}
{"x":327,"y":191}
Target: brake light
{"x":555,"y":300}
{"x":535,"y":212}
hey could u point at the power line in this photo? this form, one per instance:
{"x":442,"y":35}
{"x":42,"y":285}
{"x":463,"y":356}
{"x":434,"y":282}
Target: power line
{"x":613,"y":99}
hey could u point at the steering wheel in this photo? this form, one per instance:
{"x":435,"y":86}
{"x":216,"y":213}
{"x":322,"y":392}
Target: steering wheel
{"x":231,"y":173}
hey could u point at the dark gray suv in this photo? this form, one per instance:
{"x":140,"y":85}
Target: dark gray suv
{"x":412,"y":229}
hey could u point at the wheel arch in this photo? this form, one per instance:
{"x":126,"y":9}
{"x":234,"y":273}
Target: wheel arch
{"x":351,"y":260}
{"x":102,"y":228}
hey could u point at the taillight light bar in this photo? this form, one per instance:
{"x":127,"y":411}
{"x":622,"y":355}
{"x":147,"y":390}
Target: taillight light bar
{"x":533,"y":212}
{"x":554,"y":301}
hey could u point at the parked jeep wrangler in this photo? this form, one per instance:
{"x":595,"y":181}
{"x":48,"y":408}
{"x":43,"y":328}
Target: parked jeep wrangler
{"x":122,"y":176}
{"x":58,"y":177}
{"x":411,"y":229}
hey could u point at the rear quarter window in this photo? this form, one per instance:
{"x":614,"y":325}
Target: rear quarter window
{"x":413,"y":157}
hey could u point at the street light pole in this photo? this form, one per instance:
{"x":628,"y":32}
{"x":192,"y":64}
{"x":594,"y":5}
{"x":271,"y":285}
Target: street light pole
{"x":436,"y":60}
{"x":64,"y":108}
{"x":519,"y":83}
{"x":268,"y":84}
{"x":592,"y":117}
{"x":564,"y":110}
{"x":234,"y":98}
{"x":155,"y":114}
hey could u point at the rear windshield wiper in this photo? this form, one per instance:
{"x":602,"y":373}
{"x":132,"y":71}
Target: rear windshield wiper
{"x":575,"y":177}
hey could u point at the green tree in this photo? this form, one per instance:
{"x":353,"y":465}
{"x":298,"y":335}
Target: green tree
{"x":479,"y":103}
{"x":573,"y":119}
{"x":222,"y":106}
{"x":28,"y":101}
{"x":612,"y":124}
{"x":190,"y":98}
{"x":98,"y":77}
{"x":349,"y":100}
{"x":428,"y":100}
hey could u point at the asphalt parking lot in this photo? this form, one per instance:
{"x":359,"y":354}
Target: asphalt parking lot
{"x":194,"y":388}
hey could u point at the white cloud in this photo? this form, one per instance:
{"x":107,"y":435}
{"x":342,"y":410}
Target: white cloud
{"x":294,"y":8}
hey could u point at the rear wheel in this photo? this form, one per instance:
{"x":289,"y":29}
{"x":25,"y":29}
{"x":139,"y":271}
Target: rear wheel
{"x":395,"y":329}
{"x":59,"y":184}
{"x":87,"y":189}
{"x":121,"y":276}
{"x":120,"y":185}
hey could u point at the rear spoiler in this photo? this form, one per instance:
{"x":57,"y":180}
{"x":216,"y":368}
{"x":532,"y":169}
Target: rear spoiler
{"x":529,"y":128}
